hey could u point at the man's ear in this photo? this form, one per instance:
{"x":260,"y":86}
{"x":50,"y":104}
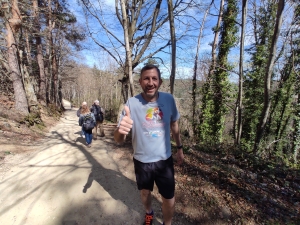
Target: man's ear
{"x":160,"y":81}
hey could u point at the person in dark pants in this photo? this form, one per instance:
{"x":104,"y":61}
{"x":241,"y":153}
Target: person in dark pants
{"x":151,"y":116}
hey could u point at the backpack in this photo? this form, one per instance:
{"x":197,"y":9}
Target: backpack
{"x":88,"y":122}
{"x":98,"y":113}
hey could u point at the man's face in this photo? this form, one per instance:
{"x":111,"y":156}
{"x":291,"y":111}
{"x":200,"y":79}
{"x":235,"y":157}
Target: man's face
{"x":150,"y":84}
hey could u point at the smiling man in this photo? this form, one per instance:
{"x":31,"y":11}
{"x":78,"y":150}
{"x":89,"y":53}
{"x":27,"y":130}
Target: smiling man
{"x":151,"y":116}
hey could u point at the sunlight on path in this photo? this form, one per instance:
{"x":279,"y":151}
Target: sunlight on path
{"x":67,"y":183}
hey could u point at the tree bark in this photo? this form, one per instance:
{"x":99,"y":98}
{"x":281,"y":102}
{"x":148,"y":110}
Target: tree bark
{"x":54,"y":86}
{"x":173,"y":43}
{"x":12,"y":25}
{"x":127,"y":47}
{"x":49,"y":46}
{"x":53,"y":70}
{"x":215,"y":42}
{"x":29,"y":89}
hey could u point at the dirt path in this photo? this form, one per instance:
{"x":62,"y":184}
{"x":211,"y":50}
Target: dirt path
{"x":61,"y":181}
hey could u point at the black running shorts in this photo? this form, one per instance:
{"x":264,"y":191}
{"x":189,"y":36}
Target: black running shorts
{"x":161,"y":172}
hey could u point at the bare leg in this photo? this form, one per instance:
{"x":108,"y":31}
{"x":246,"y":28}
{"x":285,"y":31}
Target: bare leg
{"x":96,"y":130}
{"x":101,"y":129}
{"x":168,"y":207}
{"x":146,"y":200}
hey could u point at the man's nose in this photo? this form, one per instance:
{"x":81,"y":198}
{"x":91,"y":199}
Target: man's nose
{"x":150,"y":81}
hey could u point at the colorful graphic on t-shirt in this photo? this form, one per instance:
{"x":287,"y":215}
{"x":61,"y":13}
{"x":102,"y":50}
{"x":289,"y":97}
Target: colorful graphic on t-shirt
{"x":154,"y":114}
{"x":154,"y":134}
{"x":154,"y":122}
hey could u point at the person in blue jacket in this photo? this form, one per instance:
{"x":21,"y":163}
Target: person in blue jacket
{"x":87,"y":117}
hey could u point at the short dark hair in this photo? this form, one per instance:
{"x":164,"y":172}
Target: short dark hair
{"x":150,"y":67}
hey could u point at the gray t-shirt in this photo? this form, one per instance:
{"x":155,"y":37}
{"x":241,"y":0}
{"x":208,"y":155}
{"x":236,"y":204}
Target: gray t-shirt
{"x":151,"y":126}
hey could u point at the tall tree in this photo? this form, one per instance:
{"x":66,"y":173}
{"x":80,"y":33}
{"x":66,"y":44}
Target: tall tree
{"x":128,"y":49}
{"x":59,"y":30}
{"x":207,"y":92}
{"x":39,"y":51}
{"x":221,"y":85}
{"x":263,"y":27}
{"x":268,"y":75}
{"x":239,"y":104}
{"x":26,"y":60}
{"x":220,"y":88}
{"x":194,"y":92}
{"x":13,"y":24}
{"x":296,"y":70}
{"x":173,"y":44}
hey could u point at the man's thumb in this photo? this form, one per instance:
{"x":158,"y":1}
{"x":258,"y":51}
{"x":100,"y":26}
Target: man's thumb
{"x":127,"y":111}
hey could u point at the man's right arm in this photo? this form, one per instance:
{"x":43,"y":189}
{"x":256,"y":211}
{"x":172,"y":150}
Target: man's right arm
{"x":119,"y":138}
{"x":78,"y":111}
{"x":80,"y":120}
{"x":124,"y":128}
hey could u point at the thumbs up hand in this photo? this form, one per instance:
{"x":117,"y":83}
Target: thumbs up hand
{"x":126,"y":122}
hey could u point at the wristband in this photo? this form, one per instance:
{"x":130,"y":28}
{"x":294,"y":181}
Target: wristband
{"x":179,"y":147}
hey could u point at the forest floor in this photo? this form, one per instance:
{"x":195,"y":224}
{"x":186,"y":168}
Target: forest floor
{"x":212,"y":187}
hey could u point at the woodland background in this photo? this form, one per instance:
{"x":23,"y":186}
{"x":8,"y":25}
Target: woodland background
{"x":252,"y":121}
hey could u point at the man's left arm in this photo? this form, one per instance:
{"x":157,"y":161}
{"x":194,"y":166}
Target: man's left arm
{"x":176,"y":135}
{"x":80,"y":120}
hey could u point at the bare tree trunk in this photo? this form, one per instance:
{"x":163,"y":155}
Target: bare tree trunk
{"x":29,"y":90}
{"x":49,"y":46}
{"x":215,"y":43}
{"x":268,"y":76}
{"x":173,"y":42}
{"x":53,"y":70}
{"x":195,"y":72}
{"x":54,"y":86}
{"x":12,"y":25}
{"x":39,"y":54}
{"x":127,"y":47}
{"x":28,"y":79}
{"x":241,"y":70}
{"x":59,"y":84}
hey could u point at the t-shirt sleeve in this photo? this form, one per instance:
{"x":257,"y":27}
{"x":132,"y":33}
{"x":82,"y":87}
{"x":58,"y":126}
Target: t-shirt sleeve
{"x":175,"y":114}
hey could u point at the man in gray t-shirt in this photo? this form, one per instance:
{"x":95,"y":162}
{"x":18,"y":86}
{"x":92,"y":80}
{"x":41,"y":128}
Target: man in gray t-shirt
{"x":151,"y":116}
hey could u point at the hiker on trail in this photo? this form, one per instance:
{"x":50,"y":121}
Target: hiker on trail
{"x":99,"y":116}
{"x":87,"y":121}
{"x":151,"y":115}
{"x":78,"y":114}
{"x":78,"y":111}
